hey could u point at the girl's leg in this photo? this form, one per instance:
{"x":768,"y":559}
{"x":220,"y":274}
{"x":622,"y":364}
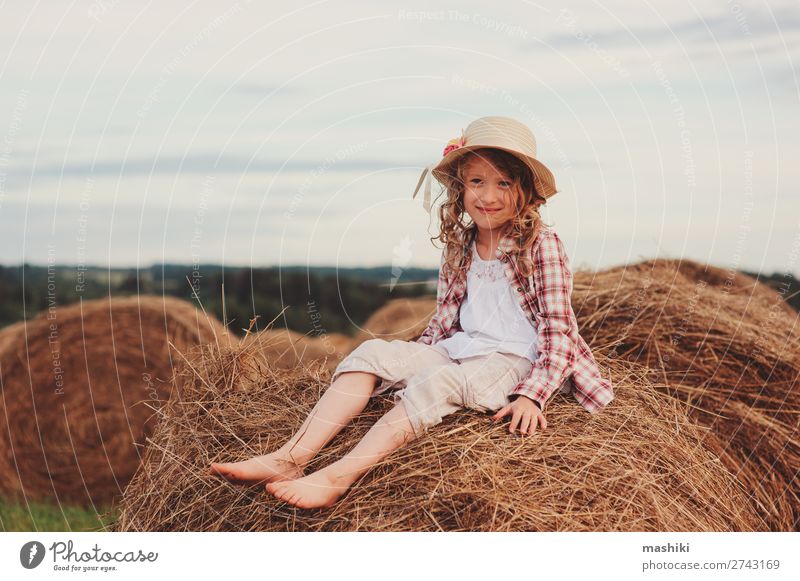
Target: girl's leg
{"x":431,"y":394}
{"x":394,"y":361}
{"x":324,"y":487}
{"x":347,"y":396}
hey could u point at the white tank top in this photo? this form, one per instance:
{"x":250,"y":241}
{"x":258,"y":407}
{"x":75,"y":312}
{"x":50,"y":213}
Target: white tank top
{"x":491,"y":316}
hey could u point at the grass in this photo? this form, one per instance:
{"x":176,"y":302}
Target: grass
{"x":47,"y":516}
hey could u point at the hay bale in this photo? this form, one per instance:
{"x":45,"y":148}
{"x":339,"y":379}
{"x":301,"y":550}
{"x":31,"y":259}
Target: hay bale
{"x":641,"y":465}
{"x":340,"y":342}
{"x":402,"y":319}
{"x":287,"y":349}
{"x":731,"y":281}
{"x":9,"y":333}
{"x":732,"y":358}
{"x":78,"y":388}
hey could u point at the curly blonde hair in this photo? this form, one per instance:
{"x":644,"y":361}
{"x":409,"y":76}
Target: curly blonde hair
{"x":525,"y":226}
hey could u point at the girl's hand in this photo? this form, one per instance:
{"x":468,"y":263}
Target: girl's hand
{"x":526,"y":414}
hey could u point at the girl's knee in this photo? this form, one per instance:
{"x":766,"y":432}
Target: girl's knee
{"x":369,"y":350}
{"x":371,"y":346}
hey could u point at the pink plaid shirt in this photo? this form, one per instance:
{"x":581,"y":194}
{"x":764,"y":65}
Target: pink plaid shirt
{"x":545,"y":299}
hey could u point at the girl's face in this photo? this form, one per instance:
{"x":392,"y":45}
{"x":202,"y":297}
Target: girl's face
{"x":488,"y":195}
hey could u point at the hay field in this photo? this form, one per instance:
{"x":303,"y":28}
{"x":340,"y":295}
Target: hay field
{"x":702,"y":434}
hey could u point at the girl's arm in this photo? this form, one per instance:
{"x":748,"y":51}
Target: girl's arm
{"x":553,"y":288}
{"x":433,"y":330}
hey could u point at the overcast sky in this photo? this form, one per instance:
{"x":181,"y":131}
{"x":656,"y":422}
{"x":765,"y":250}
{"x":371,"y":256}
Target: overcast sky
{"x":294,"y":133}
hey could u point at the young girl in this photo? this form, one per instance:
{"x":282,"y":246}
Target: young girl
{"x":503,"y":337}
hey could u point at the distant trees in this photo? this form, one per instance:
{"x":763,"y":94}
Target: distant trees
{"x":334,"y":299}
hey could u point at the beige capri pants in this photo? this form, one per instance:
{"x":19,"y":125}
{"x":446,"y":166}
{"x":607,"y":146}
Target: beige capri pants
{"x":435,"y":385}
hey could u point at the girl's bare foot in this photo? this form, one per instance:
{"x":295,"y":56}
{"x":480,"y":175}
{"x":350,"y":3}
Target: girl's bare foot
{"x":319,"y":489}
{"x":269,"y":468}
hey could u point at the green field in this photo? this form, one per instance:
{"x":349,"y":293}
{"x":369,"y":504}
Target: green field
{"x":50,"y":517}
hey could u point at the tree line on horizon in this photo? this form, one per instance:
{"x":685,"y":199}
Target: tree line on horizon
{"x":304,"y":299}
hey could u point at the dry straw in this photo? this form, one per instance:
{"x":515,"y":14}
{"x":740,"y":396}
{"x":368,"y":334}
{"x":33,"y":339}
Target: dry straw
{"x":640,"y":465}
{"x":287,"y":349}
{"x":726,"y":347}
{"x":79,"y":384}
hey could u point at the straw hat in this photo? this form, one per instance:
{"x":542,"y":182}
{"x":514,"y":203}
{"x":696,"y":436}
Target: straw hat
{"x":501,"y":133}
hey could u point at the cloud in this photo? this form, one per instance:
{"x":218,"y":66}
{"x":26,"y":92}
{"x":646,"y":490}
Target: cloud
{"x":731,"y":26}
{"x":193,"y":164}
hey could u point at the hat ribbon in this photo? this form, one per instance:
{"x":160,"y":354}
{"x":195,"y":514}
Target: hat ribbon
{"x":426,"y":201}
{"x":454,"y":143}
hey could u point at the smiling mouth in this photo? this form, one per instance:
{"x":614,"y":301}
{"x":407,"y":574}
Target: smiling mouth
{"x":486,"y":211}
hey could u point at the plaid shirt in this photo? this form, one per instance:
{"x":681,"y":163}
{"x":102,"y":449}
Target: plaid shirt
{"x":545,"y":299}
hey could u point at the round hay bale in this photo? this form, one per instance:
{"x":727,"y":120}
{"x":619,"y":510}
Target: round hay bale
{"x":287,"y":349}
{"x":10,"y":332}
{"x":733,"y":358}
{"x":640,"y":465}
{"x":8,"y":335}
{"x":341,"y":342}
{"x":78,"y":387}
{"x":401,"y":319}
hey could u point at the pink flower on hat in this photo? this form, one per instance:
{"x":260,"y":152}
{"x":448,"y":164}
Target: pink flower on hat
{"x":454,"y":143}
